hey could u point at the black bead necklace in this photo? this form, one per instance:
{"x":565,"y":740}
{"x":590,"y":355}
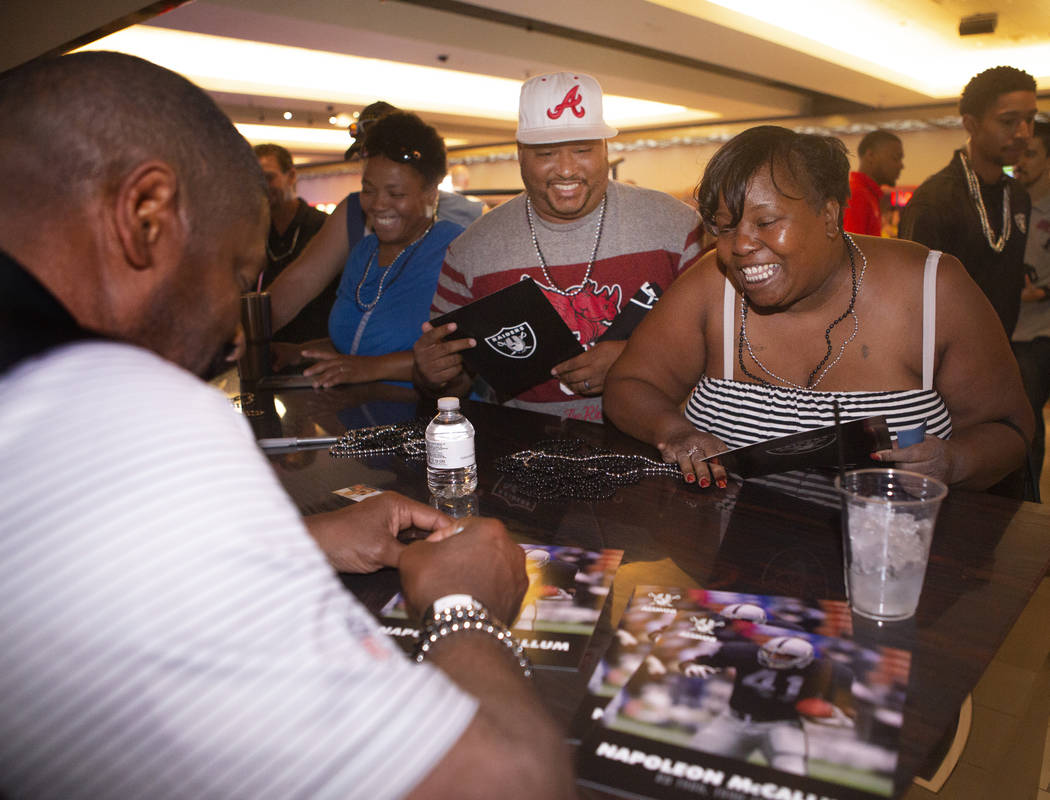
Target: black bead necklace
{"x":568,"y":468}
{"x":405,"y":438}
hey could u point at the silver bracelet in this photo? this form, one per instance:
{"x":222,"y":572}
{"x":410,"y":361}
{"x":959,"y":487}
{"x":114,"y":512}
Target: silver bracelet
{"x":464,"y":618}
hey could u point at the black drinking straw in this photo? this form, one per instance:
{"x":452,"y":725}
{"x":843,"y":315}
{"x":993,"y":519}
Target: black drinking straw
{"x":838,"y":444}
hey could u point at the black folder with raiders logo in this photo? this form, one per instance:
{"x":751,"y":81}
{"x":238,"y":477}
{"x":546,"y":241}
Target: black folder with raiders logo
{"x":812,"y":449}
{"x":519,"y":337}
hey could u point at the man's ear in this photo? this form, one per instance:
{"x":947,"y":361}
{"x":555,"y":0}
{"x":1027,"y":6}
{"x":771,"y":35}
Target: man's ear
{"x":970,"y":123}
{"x":146,"y":212}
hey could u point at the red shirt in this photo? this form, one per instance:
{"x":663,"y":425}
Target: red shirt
{"x":863,"y":214}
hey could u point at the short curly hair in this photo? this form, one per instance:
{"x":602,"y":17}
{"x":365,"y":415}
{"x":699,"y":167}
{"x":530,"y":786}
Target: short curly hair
{"x":985,"y":87}
{"x":403,"y":137}
{"x":818,"y":164}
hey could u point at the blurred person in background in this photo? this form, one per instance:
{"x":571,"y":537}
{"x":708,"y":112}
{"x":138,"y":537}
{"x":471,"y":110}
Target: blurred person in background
{"x":293,"y":223}
{"x":881,"y":157}
{"x":1031,"y":339}
{"x":971,"y":209}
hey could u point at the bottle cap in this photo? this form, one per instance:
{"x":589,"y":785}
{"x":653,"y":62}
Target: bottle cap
{"x":448,"y":404}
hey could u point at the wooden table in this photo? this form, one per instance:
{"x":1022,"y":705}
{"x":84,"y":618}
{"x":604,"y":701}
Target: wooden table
{"x":988,"y":554}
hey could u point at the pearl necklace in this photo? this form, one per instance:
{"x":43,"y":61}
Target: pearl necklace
{"x":543,"y":262}
{"x":379,"y":292}
{"x":814,"y":379}
{"x":974,"y":188}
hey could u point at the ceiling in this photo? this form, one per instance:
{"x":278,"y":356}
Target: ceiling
{"x":729,"y":60}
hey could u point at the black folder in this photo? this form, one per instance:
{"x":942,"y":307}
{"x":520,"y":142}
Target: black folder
{"x":519,"y":337}
{"x":816,"y":448}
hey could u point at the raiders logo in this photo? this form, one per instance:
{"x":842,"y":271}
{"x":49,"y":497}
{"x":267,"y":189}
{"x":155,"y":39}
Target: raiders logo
{"x":516,"y":341}
{"x":805,"y":446}
{"x":1020,"y":222}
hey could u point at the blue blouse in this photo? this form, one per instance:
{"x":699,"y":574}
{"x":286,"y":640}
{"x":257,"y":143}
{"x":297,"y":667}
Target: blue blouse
{"x":393,"y":325}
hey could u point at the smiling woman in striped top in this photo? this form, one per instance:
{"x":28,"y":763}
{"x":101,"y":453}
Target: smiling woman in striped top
{"x":789,"y":314}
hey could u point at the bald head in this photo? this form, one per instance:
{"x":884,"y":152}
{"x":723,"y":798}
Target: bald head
{"x":72,"y":126}
{"x":132,"y":198}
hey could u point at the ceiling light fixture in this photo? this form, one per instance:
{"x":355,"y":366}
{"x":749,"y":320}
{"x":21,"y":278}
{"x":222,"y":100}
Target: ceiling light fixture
{"x":224,"y":64}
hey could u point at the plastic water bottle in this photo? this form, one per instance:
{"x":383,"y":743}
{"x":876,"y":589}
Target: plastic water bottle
{"x":451,"y":468}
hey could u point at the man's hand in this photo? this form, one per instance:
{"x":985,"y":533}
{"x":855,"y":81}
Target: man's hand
{"x":436,"y":360}
{"x":363,"y":537}
{"x":481,"y":561}
{"x":585,"y":373}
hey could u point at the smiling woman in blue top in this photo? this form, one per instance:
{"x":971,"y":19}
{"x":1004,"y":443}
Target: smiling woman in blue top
{"x":389,"y":278}
{"x":789,"y":314}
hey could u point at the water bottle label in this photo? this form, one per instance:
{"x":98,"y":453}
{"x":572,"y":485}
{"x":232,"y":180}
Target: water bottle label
{"x":450,"y":455}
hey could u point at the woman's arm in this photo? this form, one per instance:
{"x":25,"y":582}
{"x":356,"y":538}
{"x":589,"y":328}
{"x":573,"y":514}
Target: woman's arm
{"x":320,"y":262}
{"x":332,"y":368}
{"x":663,"y":360}
{"x":977,"y":375}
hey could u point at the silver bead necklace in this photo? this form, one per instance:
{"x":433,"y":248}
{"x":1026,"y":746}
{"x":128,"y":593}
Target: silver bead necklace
{"x":814,"y":379}
{"x":974,"y":187}
{"x":379,"y":292}
{"x":543,"y":262}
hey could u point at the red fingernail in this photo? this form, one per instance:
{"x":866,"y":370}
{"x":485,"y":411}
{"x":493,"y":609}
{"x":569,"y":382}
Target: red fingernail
{"x":722,"y":484}
{"x":690,"y":478}
{"x":704,"y":483}
{"x":876,"y":457}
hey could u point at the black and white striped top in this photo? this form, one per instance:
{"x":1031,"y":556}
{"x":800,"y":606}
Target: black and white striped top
{"x":169,"y":628}
{"x":741,"y":413}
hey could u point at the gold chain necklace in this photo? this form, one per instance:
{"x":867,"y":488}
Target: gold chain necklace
{"x":974,"y":187}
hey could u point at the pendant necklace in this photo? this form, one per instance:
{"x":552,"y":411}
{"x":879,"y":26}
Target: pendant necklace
{"x":386,"y":270}
{"x":974,"y":187}
{"x":814,"y":379}
{"x":543,"y":262}
{"x":295,"y":239}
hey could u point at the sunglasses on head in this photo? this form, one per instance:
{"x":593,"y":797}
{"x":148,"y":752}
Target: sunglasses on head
{"x":400,"y":153}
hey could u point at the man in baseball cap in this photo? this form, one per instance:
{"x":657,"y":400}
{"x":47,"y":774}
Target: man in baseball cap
{"x":590,"y":243}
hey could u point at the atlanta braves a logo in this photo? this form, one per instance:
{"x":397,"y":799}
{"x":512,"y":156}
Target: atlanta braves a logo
{"x":571,"y":101}
{"x":516,"y":341}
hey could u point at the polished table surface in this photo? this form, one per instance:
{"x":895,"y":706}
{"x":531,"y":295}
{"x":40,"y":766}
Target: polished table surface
{"x":988,"y":554}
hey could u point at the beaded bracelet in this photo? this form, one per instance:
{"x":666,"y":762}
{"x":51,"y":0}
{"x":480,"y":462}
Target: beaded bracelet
{"x":439,"y":625}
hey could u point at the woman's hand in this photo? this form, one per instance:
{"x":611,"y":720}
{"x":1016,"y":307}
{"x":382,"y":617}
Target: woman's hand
{"x":932,"y":456}
{"x":688,"y":448}
{"x":331,"y":369}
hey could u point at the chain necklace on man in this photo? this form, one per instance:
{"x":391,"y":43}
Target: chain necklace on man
{"x":814,"y":379}
{"x":274,"y":257}
{"x":382,"y":278}
{"x":974,"y":187}
{"x":543,"y":262}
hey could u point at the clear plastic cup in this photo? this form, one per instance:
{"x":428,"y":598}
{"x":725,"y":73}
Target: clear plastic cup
{"x":888,"y":517}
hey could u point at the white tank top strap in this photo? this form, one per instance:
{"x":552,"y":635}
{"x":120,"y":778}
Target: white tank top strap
{"x":728,"y":308}
{"x":929,"y":316}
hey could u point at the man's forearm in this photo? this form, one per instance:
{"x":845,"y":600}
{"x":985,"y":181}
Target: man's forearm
{"x":512,"y":749}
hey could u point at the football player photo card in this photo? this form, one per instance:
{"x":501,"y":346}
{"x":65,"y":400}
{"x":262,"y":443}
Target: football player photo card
{"x":735,"y":711}
{"x":568,"y":588}
{"x":519,"y":336}
{"x":651,"y":611}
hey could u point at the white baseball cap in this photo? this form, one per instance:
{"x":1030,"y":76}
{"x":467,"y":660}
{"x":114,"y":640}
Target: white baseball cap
{"x":561,"y":107}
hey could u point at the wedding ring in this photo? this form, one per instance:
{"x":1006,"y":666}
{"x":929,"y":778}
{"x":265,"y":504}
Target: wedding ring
{"x":692,"y":451}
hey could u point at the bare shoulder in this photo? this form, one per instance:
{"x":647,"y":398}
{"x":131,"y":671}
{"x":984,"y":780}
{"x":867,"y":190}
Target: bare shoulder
{"x":901,"y":255}
{"x":702,"y":281}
